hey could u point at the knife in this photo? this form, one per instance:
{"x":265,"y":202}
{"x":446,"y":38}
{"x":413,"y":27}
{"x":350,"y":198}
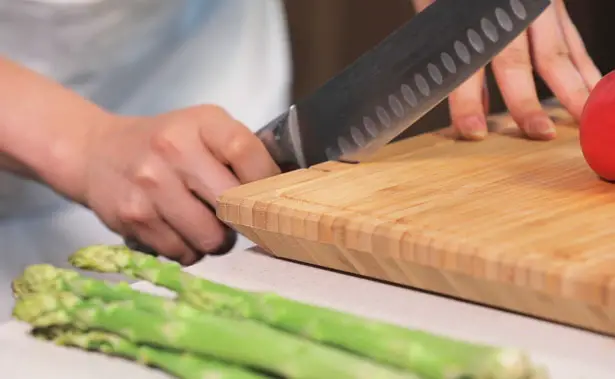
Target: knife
{"x":394,"y":84}
{"x":390,"y":87}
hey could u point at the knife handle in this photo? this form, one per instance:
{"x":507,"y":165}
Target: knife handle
{"x":282,"y":141}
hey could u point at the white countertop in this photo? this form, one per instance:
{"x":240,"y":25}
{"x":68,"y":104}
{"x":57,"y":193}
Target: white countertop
{"x":569,"y":353}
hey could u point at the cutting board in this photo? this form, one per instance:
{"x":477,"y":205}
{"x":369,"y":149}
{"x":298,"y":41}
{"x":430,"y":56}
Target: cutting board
{"x":510,"y":223}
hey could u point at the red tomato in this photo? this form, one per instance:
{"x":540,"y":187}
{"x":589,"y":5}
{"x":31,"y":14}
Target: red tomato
{"x":597,"y":128}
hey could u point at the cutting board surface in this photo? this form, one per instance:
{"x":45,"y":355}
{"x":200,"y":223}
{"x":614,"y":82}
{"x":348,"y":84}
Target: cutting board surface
{"x":507,"y":222}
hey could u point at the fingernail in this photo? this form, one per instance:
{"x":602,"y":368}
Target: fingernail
{"x":473,"y":127}
{"x":540,"y":127}
{"x":229,"y":242}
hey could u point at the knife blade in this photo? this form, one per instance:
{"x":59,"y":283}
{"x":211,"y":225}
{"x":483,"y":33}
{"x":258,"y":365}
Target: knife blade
{"x":393,"y":85}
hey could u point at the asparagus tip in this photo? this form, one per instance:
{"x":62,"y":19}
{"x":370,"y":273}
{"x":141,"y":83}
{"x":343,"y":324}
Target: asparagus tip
{"x":39,"y":278}
{"x":44,"y":309}
{"x":102,"y":258}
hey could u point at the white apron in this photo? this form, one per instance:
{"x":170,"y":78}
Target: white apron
{"x":132,"y":57}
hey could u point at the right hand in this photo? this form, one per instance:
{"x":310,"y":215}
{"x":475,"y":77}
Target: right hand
{"x":142,"y":175}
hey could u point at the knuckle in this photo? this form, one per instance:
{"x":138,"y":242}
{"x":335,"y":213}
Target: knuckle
{"x":240,"y":145}
{"x":209,"y":114}
{"x":216,"y":110}
{"x":515,"y":57}
{"x":581,"y":91}
{"x":164,"y":143}
{"x":135,"y":213}
{"x":552,"y":57}
{"x":146,"y":175}
{"x":577,"y":95}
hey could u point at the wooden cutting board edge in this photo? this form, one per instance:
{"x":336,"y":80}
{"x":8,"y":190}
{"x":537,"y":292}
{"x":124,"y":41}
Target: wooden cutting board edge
{"x":299,"y":235}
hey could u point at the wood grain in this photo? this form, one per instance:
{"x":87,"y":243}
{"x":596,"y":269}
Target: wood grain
{"x":508,"y":222}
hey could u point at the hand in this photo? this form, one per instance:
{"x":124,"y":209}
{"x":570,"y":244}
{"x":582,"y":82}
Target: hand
{"x":147,"y":178}
{"x":554,"y":46}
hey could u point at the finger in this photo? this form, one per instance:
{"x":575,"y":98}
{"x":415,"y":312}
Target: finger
{"x":469,"y":103}
{"x":512,"y":69}
{"x":554,"y":63}
{"x":192,"y":220}
{"x":211,"y":180}
{"x":486,"y":97}
{"x":165,"y":241}
{"x":581,"y":59}
{"x":230,"y":240}
{"x":198,"y":169}
{"x":206,"y":178}
{"x":419,"y":5}
{"x":139,"y":219}
{"x":467,"y":107}
{"x":236,"y":146}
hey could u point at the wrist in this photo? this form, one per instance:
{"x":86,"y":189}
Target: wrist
{"x":47,"y":129}
{"x":66,"y":168}
{"x":58,"y":156}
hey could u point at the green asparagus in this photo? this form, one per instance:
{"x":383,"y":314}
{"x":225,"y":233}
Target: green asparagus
{"x":240,"y":342}
{"x":431,"y":356}
{"x":47,"y":278}
{"x":180,"y":365}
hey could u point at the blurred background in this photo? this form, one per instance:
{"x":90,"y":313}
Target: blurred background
{"x":327,"y":35}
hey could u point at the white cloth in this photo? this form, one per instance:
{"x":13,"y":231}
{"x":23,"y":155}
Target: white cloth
{"x":133,"y":57}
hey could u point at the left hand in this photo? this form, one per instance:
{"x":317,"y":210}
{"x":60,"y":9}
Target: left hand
{"x":552,"y":45}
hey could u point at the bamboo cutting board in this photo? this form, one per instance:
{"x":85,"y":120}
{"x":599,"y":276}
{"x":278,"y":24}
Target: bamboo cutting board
{"x":507,"y":222}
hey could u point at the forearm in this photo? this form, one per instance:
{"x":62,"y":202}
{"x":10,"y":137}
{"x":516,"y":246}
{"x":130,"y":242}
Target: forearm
{"x":45,"y":128}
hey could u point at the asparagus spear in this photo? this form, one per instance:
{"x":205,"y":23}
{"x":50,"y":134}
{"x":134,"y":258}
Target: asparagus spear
{"x":47,"y":278}
{"x":44,"y":278}
{"x":429,"y":355}
{"x":241,"y":342}
{"x":180,"y":365}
